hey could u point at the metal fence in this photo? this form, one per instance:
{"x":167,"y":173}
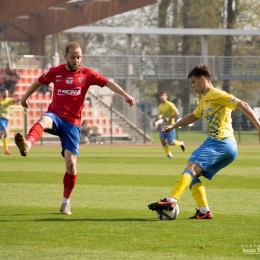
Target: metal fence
{"x":173,"y":67}
{"x":151,"y":67}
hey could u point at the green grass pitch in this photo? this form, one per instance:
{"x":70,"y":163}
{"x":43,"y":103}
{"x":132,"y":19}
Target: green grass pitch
{"x":110,"y":218}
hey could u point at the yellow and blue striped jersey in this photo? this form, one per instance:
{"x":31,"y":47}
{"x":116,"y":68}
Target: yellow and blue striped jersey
{"x":216,"y":107}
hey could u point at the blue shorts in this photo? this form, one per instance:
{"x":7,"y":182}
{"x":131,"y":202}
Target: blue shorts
{"x":3,"y":123}
{"x":69,"y":134}
{"x":169,"y":136}
{"x":213,"y":155}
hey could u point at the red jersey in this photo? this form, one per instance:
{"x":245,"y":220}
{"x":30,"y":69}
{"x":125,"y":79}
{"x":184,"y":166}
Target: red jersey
{"x":69,"y":90}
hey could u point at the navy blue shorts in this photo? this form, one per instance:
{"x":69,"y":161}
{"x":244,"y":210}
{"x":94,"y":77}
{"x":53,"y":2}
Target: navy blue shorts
{"x":213,"y":155}
{"x":69,"y":134}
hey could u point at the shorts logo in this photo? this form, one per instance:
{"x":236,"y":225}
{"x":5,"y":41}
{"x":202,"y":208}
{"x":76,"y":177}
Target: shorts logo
{"x":80,"y":80}
{"x":69,"y":80}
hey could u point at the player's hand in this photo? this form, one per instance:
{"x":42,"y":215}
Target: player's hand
{"x":167,"y":129}
{"x":25,"y":102}
{"x":130,"y":100}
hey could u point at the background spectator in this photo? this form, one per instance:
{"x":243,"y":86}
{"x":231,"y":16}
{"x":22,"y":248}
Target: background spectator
{"x":44,"y":89}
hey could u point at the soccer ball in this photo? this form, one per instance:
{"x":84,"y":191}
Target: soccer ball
{"x":168,"y":214}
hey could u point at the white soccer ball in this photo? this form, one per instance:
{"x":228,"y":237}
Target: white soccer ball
{"x":168,"y":214}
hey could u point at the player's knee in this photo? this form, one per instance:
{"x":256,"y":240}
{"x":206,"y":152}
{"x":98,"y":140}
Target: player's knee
{"x":46,"y":122}
{"x":71,"y":166}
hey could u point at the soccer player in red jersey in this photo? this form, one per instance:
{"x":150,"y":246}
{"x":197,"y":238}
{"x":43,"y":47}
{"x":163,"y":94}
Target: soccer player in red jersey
{"x":63,"y":118}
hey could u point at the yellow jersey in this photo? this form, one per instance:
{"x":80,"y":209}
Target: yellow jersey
{"x":216,"y":107}
{"x":166,"y":110}
{"x":5,"y":105}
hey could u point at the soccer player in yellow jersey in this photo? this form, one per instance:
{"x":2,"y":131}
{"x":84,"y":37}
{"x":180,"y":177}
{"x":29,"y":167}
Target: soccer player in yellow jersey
{"x":5,"y":104}
{"x":217,"y":151}
{"x":167,"y":112}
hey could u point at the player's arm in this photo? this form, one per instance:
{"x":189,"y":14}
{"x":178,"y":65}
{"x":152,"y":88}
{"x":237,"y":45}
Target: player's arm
{"x":249,"y":112}
{"x":186,"y":120}
{"x":16,"y":100}
{"x":33,"y":88}
{"x":117,"y":89}
{"x":158,"y":118}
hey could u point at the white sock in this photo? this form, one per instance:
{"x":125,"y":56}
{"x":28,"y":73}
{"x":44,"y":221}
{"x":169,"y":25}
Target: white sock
{"x":29,"y":144}
{"x":172,"y":200}
{"x":204,"y":210}
{"x":65,"y":200}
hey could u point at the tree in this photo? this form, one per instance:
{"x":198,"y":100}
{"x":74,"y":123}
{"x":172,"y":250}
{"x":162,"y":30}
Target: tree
{"x":231,"y":18}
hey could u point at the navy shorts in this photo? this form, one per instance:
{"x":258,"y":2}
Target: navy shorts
{"x":69,"y":134}
{"x":3,"y":123}
{"x":213,"y":155}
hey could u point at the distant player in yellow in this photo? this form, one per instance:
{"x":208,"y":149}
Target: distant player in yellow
{"x":217,"y":151}
{"x":5,"y":104}
{"x":167,"y":112}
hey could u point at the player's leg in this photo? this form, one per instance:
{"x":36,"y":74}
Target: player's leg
{"x":3,"y":134}
{"x":165,"y":146}
{"x":5,"y":141}
{"x":70,"y":138}
{"x":180,"y":186}
{"x":199,"y":194}
{"x":69,"y":181}
{"x":35,"y":133}
{"x":218,"y":155}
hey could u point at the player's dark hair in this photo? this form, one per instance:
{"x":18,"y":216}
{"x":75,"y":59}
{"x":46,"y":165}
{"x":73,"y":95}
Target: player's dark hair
{"x":163,"y":92}
{"x":200,"y":70}
{"x":72,"y":45}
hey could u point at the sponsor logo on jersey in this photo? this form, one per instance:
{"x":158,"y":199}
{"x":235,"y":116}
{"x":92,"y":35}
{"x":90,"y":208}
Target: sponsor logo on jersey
{"x":80,"y":80}
{"x":69,"y":80}
{"x":58,"y":76}
{"x":69,"y":92}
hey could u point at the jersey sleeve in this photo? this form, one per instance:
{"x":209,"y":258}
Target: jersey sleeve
{"x":47,"y":77}
{"x":172,"y":108}
{"x":96,"y":79}
{"x":227,"y":100}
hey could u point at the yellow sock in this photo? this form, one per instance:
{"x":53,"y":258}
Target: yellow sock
{"x":199,"y":193}
{"x":166,"y":148}
{"x":5,"y":143}
{"x":182,"y":184}
{"x":176,"y":143}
